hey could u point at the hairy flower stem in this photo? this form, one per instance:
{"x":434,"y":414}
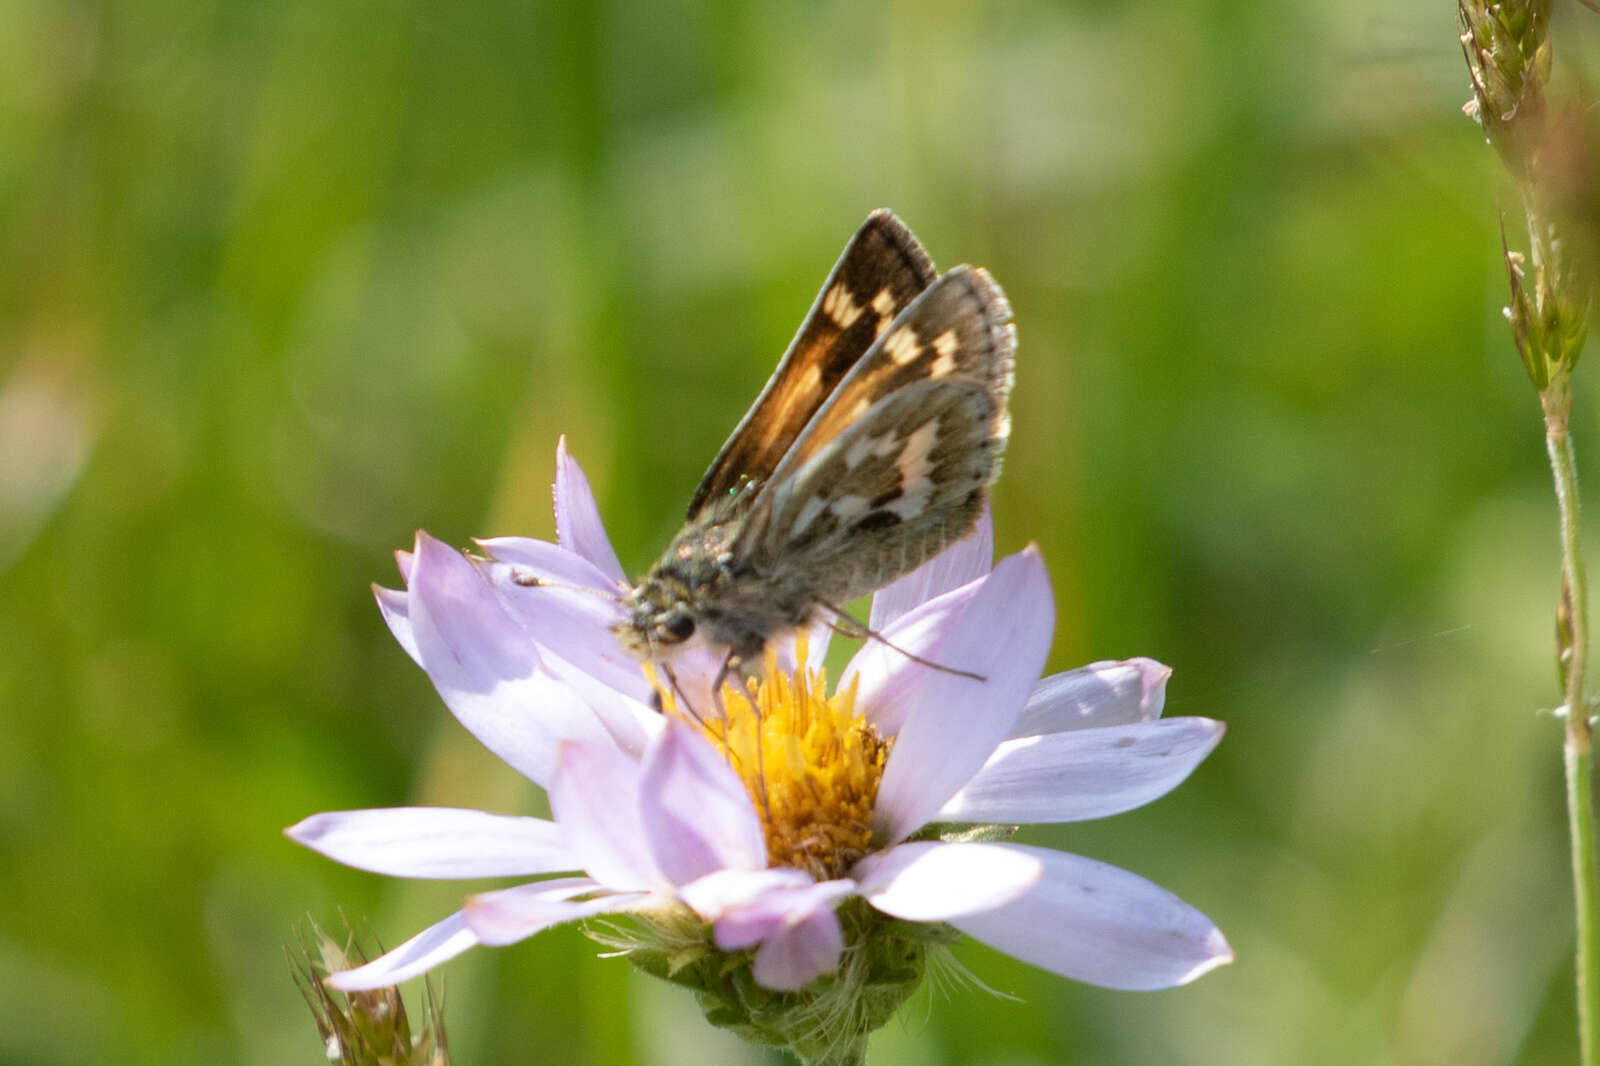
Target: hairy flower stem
{"x":1577,"y":750}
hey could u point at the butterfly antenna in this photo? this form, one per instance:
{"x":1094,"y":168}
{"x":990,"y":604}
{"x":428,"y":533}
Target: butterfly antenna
{"x":846,"y":625}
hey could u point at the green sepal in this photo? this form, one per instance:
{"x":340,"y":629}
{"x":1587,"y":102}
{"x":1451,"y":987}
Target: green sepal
{"x":827,"y":1021}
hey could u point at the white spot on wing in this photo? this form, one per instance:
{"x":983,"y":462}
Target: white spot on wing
{"x":902,"y":346}
{"x":864,"y":447}
{"x":884,"y":305}
{"x":840,"y":306}
{"x":945,"y":345}
{"x":808,"y":514}
{"x":850,"y":507}
{"x":916,"y":471}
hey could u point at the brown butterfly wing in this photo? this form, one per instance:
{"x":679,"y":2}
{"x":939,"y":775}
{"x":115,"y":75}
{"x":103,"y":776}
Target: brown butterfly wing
{"x":881,"y":271}
{"x":894,"y":466}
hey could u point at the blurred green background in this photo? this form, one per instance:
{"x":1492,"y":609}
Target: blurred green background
{"x":283,"y":282}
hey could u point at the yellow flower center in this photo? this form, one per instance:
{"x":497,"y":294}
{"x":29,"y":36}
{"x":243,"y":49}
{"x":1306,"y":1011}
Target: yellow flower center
{"x":810,"y":763}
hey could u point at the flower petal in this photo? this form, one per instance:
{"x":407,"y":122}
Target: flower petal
{"x":571,"y":626}
{"x":694,"y":668}
{"x":1085,"y":773}
{"x":953,"y":722}
{"x":776,"y":908}
{"x":578,"y":525}
{"x":801,"y":953}
{"x":696,"y":812}
{"x":513,"y":914}
{"x":1096,"y":923}
{"x":786,"y":644}
{"x":421,"y":953}
{"x":595,"y":800}
{"x":396,"y":611}
{"x":630,"y":722}
{"x":934,"y":882}
{"x":1100,"y":694}
{"x":436,"y":842}
{"x":566,"y":605}
{"x":966,"y":560}
{"x":561,"y":568}
{"x":486,"y":669}
{"x":877,"y":668}
{"x":715,"y":893}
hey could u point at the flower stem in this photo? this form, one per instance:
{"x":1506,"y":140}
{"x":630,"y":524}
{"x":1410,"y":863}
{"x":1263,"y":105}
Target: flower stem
{"x":1580,"y":817}
{"x":1577,"y":750}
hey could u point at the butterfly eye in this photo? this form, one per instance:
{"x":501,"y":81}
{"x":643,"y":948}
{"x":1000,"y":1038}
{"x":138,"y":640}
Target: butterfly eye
{"x":681,"y":627}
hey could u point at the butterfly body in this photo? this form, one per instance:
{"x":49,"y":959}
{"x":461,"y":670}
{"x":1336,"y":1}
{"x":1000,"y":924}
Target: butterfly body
{"x":867,"y":453}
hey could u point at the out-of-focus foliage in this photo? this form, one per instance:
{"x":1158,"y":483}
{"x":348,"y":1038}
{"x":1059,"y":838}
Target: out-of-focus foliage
{"x":284,"y":281}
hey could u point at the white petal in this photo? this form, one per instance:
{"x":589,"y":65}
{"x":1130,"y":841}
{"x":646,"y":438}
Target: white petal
{"x":799,"y":954}
{"x":696,"y":812}
{"x":421,"y":953}
{"x":694,"y":668}
{"x":1085,"y":773}
{"x":953,"y":723}
{"x":513,"y":914}
{"x":567,"y":607}
{"x":486,"y":669}
{"x":573,"y":621}
{"x":1100,"y":694}
{"x":595,"y":800}
{"x":966,"y":560}
{"x":557,"y":565}
{"x":436,"y":842}
{"x":880,"y":667}
{"x":710,"y":896}
{"x":627,"y":720}
{"x":818,"y":636}
{"x":571,"y":630}
{"x":933,"y":882}
{"x":392,"y":604}
{"x":578,"y":524}
{"x":775,"y":909}
{"x":1099,"y":924}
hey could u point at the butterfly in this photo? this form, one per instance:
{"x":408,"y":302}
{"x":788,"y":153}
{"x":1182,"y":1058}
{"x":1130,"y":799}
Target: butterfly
{"x":869,"y":450}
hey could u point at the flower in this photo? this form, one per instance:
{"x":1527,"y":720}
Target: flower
{"x":798,"y":825}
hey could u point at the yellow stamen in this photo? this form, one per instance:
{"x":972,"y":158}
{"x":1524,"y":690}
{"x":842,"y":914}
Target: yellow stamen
{"x":810,"y":763}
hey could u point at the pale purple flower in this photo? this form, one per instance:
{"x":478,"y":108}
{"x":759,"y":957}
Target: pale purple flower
{"x":655,"y":818}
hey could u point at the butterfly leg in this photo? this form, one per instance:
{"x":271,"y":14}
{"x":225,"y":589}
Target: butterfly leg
{"x":730,"y":665}
{"x":846,"y":625}
{"x":683,"y":696}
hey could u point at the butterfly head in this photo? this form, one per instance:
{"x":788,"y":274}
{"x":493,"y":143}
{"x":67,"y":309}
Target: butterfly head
{"x":660,"y":617}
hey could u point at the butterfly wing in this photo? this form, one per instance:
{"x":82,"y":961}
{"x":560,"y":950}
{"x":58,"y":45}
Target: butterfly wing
{"x":894,"y":465}
{"x":880,"y":272}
